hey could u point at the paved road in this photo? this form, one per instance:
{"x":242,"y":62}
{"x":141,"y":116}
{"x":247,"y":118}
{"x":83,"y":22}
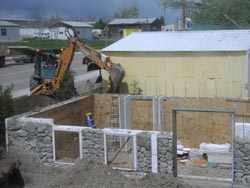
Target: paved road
{"x":19,"y":74}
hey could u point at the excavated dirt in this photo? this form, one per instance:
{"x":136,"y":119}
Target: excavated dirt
{"x":89,"y":173}
{"x":31,"y":103}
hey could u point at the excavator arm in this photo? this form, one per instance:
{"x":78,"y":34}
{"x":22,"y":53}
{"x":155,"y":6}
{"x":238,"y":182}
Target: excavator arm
{"x":116,"y":72}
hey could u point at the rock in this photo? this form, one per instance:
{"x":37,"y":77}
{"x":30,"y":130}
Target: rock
{"x":248,"y":179}
{"x":22,"y":133}
{"x":40,"y":129}
{"x":47,"y":140}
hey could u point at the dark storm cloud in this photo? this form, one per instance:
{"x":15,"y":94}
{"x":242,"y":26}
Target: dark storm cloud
{"x":76,"y":8}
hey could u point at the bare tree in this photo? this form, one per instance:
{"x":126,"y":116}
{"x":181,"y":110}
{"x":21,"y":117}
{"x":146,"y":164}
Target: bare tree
{"x":164,"y":4}
{"x":130,"y":12}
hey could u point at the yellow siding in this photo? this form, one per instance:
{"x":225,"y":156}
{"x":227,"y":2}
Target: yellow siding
{"x":201,"y":74}
{"x":127,"y":32}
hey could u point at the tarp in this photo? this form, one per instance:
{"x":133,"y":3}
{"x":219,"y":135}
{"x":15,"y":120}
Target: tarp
{"x":214,"y":148}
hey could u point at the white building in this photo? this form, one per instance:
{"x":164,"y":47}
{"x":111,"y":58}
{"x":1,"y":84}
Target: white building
{"x":83,"y":30}
{"x":9,"y":32}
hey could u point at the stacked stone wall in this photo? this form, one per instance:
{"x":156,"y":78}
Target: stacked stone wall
{"x":93,"y":144}
{"x":165,"y":154}
{"x":144,"y":153}
{"x":242,"y":163}
{"x":30,"y":135}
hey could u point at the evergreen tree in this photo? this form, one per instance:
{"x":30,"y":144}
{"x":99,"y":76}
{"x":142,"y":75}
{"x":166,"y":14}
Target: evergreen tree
{"x":6,"y":110}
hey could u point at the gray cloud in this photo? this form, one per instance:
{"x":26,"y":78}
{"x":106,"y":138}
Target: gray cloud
{"x":79,"y":8}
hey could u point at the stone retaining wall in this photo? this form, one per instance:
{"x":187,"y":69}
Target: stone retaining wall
{"x":164,"y":153}
{"x":144,"y":153}
{"x":30,"y":135}
{"x":93,"y":144}
{"x":33,"y":137}
{"x":242,"y":163}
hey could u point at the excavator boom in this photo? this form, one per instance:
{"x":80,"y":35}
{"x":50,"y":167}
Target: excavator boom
{"x":48,"y":86}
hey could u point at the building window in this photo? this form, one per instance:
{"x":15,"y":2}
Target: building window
{"x":3,"y":32}
{"x":61,"y":33}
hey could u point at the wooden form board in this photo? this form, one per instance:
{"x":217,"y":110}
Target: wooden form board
{"x":193,"y":128}
{"x":72,"y":113}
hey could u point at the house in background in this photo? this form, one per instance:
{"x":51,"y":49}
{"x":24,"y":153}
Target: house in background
{"x":28,"y":27}
{"x":186,"y":63}
{"x":116,"y":26}
{"x":83,"y":30}
{"x":9,"y":32}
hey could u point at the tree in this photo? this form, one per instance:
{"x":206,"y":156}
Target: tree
{"x":162,"y":20}
{"x":130,"y":12}
{"x":6,"y":110}
{"x":100,"y":24}
{"x":164,"y":4}
{"x":187,"y":7}
{"x":52,"y":20}
{"x":67,"y":88}
{"x":230,"y":14}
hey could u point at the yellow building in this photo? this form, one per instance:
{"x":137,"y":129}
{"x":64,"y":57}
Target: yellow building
{"x":127,"y":32}
{"x":192,"y":63}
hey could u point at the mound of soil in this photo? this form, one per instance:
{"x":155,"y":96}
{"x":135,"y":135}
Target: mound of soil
{"x":89,"y":173}
{"x":31,"y":103}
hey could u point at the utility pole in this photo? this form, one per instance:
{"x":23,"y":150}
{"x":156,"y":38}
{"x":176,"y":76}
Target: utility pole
{"x":183,"y":14}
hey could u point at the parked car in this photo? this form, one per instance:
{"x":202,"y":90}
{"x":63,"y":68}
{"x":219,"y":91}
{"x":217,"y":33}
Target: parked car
{"x":23,"y":59}
{"x":41,"y":35}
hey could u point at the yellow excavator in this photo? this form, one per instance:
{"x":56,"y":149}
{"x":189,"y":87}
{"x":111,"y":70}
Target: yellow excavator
{"x":49,"y":71}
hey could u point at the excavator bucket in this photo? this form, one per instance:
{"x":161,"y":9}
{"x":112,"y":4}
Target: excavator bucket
{"x":117,"y":73}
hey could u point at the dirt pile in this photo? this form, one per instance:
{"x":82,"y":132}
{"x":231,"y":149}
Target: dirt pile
{"x":10,"y":176}
{"x":31,"y":103}
{"x":89,"y":173}
{"x":6,"y":166}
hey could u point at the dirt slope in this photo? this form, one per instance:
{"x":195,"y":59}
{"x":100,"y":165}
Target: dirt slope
{"x":89,"y":173}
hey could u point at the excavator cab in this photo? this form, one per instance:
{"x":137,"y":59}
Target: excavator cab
{"x":45,"y":66}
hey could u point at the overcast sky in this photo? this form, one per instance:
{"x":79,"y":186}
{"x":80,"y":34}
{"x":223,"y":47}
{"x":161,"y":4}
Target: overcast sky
{"x":80,"y":8}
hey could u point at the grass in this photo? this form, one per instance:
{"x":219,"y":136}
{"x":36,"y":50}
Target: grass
{"x":36,"y":43}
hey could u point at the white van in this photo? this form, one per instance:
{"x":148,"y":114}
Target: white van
{"x":41,"y":35}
